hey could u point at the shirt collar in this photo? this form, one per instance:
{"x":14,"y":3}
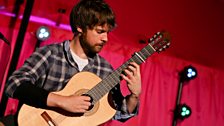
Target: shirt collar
{"x":71,"y":60}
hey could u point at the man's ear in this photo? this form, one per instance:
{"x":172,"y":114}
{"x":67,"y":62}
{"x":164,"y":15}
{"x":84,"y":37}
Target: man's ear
{"x":79,"y":29}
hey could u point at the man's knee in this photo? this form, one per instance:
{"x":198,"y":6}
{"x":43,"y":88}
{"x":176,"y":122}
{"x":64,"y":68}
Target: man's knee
{"x":7,"y":121}
{"x":1,"y":124}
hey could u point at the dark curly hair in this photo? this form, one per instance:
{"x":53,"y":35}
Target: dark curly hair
{"x":89,"y":13}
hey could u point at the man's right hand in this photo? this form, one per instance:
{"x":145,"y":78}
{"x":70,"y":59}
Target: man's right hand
{"x":72,"y":103}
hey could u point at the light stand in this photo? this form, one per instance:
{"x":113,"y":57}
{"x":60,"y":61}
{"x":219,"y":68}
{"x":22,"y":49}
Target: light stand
{"x":180,"y":86}
{"x":183,"y":111}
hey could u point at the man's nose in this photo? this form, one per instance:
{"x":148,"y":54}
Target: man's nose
{"x":105,"y":37}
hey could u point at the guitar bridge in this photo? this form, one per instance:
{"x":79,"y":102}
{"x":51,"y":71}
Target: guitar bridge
{"x":48,"y":119}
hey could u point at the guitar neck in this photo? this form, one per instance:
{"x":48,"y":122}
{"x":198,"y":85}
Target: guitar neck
{"x":159,"y":42}
{"x":114,"y":78}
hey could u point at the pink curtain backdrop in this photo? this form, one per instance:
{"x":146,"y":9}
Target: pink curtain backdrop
{"x":159,"y":83}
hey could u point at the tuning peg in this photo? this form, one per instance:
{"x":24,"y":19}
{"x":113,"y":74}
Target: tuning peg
{"x":150,"y":40}
{"x":161,"y":49}
{"x":155,"y":36}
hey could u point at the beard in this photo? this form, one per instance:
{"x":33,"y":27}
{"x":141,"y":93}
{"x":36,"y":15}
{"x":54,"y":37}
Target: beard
{"x":89,"y":49}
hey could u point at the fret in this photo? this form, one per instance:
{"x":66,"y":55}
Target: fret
{"x":140,"y":57}
{"x":137,"y":60}
{"x":109,"y":82}
{"x":93,"y":95}
{"x":145,"y":53}
{"x":99,"y":92}
{"x":115,"y":77}
{"x":103,"y":88}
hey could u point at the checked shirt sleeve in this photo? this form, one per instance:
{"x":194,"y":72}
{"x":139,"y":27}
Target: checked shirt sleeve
{"x":34,"y":67}
{"x":122,"y":113}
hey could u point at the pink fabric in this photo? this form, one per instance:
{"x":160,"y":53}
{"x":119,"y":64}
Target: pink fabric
{"x":159,"y":85}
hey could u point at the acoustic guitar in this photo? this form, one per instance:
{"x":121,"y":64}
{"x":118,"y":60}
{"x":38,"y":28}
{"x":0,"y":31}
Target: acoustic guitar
{"x":91,"y":85}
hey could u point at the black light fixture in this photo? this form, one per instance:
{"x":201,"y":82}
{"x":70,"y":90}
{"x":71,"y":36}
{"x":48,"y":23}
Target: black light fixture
{"x":182,"y":112}
{"x":188,"y":73}
{"x":42,"y":33}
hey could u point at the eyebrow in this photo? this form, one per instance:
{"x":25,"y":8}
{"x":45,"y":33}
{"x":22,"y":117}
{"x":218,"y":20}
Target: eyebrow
{"x":101,"y":29}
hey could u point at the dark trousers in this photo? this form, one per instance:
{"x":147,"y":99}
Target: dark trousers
{"x":9,"y":120}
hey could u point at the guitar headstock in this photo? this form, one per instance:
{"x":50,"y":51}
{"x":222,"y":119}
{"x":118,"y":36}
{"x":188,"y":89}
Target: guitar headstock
{"x":160,"y":41}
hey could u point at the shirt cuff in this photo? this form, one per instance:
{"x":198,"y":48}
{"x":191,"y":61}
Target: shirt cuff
{"x":123,"y":115}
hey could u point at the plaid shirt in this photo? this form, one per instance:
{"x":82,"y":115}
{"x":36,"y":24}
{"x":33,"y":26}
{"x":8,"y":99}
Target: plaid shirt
{"x":52,"y":66}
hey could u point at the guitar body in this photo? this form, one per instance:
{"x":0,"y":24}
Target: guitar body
{"x":78,"y":84}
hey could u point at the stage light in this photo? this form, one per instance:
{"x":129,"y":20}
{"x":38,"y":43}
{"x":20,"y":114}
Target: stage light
{"x":183,"y":111}
{"x":188,"y":73}
{"x":42,"y":33}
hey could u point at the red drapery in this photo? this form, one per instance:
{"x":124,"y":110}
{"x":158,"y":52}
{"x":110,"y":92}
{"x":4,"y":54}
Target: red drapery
{"x":159,"y":84}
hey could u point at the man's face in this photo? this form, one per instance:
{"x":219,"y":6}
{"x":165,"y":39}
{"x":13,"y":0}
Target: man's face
{"x":94,"y":39}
